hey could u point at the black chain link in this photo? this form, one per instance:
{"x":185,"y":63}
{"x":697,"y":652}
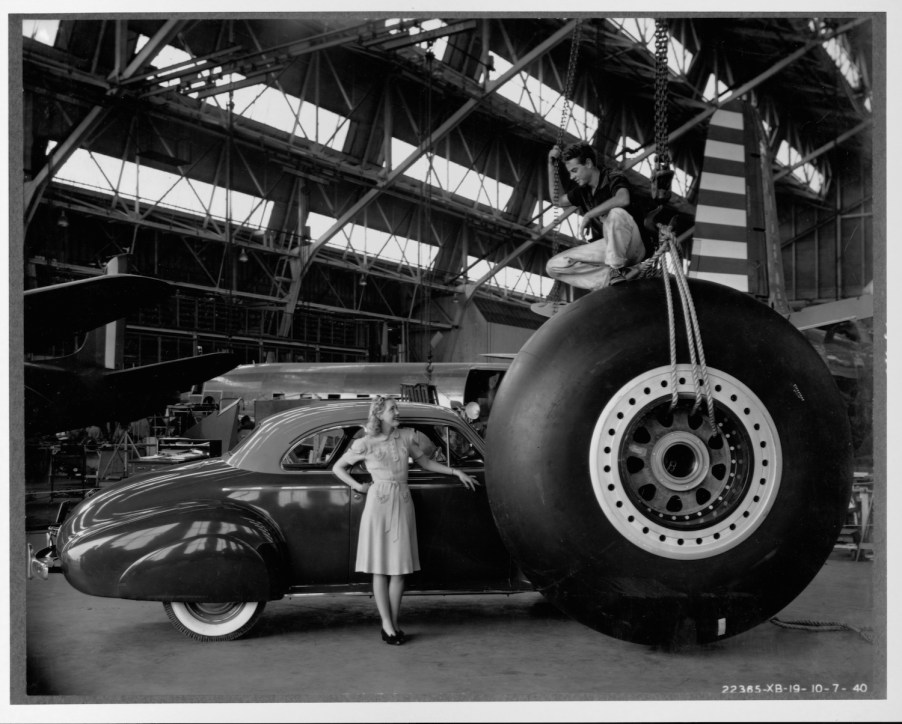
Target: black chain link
{"x":661,"y":100}
{"x":557,"y":289}
{"x":663,"y":174}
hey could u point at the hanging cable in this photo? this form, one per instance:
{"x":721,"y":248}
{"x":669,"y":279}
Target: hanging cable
{"x":430,"y":155}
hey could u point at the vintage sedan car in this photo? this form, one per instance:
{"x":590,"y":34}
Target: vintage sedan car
{"x":216,"y":539}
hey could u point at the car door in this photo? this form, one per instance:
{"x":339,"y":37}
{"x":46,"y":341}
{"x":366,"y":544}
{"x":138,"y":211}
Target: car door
{"x":460,"y":547}
{"x":313,"y":508}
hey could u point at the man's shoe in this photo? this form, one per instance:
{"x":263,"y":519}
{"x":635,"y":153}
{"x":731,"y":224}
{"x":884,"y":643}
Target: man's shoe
{"x":624,"y":274}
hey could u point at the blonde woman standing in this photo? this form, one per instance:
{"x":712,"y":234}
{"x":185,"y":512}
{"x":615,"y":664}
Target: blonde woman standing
{"x":387,"y":545}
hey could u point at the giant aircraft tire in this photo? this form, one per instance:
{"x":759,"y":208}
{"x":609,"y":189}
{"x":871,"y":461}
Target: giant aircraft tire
{"x":643,"y":523}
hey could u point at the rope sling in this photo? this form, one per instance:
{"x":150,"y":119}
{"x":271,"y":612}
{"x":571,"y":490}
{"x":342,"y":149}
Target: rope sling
{"x":558,"y":288}
{"x":667,"y":260}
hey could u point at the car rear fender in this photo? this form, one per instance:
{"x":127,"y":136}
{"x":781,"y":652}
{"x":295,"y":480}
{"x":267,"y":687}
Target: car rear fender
{"x":227,"y":553}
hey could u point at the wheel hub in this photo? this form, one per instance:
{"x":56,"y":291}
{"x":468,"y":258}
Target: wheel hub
{"x":214,"y":612}
{"x":680,"y":461}
{"x":672,"y":485}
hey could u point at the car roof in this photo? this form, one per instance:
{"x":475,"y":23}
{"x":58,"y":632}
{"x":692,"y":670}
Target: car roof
{"x":262,"y":451}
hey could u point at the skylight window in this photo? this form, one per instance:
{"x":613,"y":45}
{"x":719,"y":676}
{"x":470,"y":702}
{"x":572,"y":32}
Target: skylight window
{"x":267,"y":105}
{"x":368,"y":243}
{"x":454,"y":178}
{"x":788,"y":156}
{"x":714,"y":88}
{"x":152,"y":186}
{"x":838,"y":50}
{"x":509,"y":278}
{"x":806,"y":173}
{"x":375,"y":244}
{"x":44,"y":31}
{"x":533,"y":95}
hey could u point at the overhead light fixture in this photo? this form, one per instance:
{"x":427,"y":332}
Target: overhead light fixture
{"x":63,"y":220}
{"x":242,"y":256}
{"x":362,"y":281}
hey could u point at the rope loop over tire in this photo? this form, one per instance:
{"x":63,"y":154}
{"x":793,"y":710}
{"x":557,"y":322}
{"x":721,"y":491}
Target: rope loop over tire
{"x":668,"y":262}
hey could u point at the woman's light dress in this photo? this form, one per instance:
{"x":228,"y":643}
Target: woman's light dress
{"x":388,"y":531}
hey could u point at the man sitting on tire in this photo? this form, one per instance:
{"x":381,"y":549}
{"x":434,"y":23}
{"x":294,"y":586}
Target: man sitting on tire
{"x":603,"y":197}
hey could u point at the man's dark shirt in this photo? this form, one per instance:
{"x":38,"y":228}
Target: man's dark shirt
{"x":583,"y":197}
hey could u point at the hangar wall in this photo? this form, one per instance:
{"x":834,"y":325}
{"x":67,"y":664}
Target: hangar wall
{"x":485,"y":327}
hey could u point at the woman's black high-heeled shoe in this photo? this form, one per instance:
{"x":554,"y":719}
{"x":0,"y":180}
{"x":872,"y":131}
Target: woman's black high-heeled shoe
{"x":392,"y":640}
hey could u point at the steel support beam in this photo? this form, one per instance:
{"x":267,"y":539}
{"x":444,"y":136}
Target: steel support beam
{"x":823,"y":149}
{"x":452,"y":122}
{"x":35,"y":188}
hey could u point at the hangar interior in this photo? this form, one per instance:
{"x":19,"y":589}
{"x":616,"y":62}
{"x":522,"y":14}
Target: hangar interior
{"x":363,"y":188}
{"x":323,"y":188}
{"x":347,"y":188}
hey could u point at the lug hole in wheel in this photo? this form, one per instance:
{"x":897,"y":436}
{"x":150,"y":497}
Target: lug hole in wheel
{"x":702,"y":496}
{"x":715,"y":442}
{"x":647,"y":492}
{"x":674,"y":505}
{"x":695,"y":421}
{"x":634,"y":464}
{"x":719,"y":471}
{"x":642,"y":436}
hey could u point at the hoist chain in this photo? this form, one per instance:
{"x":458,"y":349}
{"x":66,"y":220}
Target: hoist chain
{"x":557,"y":289}
{"x":568,"y":83}
{"x":663,"y":174}
{"x":565,"y":115}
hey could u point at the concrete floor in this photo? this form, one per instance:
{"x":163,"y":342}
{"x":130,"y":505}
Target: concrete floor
{"x":469,"y":650}
{"x":462,"y":648}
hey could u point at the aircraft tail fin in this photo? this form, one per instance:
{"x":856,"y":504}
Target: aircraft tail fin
{"x":720,"y":244}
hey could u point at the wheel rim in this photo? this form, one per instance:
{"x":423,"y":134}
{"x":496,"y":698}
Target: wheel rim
{"x":214,"y":619}
{"x":215,"y":614}
{"x":671,"y":486}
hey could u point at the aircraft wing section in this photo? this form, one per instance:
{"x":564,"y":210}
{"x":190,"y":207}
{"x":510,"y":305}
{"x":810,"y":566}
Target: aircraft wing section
{"x":58,"y":312}
{"x":178,"y":374}
{"x":59,"y":398}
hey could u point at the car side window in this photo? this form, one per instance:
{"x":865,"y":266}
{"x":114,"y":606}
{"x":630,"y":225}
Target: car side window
{"x":447,"y":445}
{"x":316,"y":450}
{"x":463,"y":452}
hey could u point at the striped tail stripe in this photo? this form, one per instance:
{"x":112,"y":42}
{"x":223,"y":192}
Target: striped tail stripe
{"x":720,"y":244}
